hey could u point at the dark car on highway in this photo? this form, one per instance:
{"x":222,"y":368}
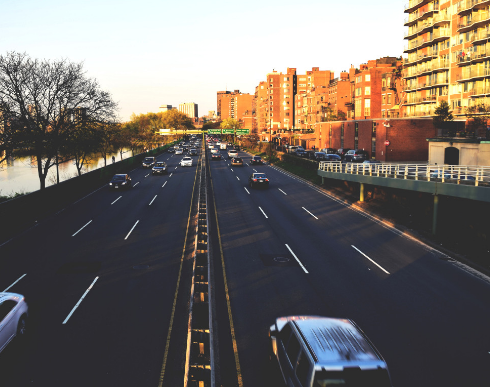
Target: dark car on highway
{"x":256,"y":160}
{"x":258,"y":180}
{"x":237,"y":162}
{"x":216,"y":156}
{"x":148,"y":162}
{"x":120,"y":181}
{"x":193,"y":152}
{"x":160,"y":168}
{"x":320,"y":156}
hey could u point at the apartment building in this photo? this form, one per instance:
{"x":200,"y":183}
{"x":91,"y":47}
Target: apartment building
{"x":189,"y":108}
{"x":369,"y":96}
{"x":448,"y":55}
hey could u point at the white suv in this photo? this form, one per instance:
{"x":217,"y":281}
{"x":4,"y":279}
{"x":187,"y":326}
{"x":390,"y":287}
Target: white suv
{"x":232,"y":153}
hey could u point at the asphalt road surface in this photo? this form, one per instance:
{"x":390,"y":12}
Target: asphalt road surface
{"x":107,"y":280}
{"x":292,"y":250}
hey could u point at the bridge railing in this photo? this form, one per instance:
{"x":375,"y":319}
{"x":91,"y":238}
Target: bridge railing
{"x":452,"y":174}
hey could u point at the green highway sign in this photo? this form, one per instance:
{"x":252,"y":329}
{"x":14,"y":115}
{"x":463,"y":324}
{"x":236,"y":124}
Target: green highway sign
{"x":228,"y":131}
{"x":214,"y":131}
{"x":242,"y":131}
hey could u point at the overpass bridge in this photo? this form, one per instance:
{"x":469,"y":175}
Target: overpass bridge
{"x":462,"y":181}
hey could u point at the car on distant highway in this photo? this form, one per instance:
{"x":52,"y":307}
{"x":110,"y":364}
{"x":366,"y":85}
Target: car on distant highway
{"x":210,"y":145}
{"x":120,"y":181}
{"x":258,"y":180}
{"x":232,"y":153}
{"x":148,"y":162}
{"x":171,"y":149}
{"x":214,"y":150}
{"x":186,"y":162}
{"x":13,"y":317}
{"x":193,"y":152}
{"x":160,"y":168}
{"x":256,"y":160}
{"x":179,"y":151}
{"x":319,"y":351}
{"x":237,"y":162}
{"x":216,"y":156}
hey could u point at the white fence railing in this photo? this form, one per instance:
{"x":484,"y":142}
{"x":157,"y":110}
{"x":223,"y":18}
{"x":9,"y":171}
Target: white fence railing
{"x":455,"y":174}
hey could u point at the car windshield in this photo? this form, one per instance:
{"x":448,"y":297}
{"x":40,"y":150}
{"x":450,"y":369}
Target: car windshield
{"x":256,"y":157}
{"x":159,"y":164}
{"x":118,"y":177}
{"x":186,"y":158}
{"x":148,"y":159}
{"x":259,"y":176}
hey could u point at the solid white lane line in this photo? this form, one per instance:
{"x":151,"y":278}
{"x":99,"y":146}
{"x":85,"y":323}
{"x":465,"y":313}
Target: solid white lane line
{"x":153,"y":200}
{"x":80,"y":301}
{"x":309,"y":212}
{"x":295,"y":257}
{"x":116,"y":200}
{"x":136,"y":184}
{"x":129,"y":233}
{"x":81,"y":228}
{"x":282,"y":191}
{"x":238,"y":178}
{"x":369,"y":259}
{"x":263,"y":213}
{"x":246,"y":190}
{"x":147,"y":175}
{"x":15,"y":282}
{"x":164,"y":184}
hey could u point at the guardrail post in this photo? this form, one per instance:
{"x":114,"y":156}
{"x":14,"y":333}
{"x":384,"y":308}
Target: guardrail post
{"x":361,"y":196}
{"x":434,"y":214}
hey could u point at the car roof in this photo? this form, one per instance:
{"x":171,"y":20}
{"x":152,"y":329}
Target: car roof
{"x":120,"y":175}
{"x":336,"y":342}
{"x":7,"y":296}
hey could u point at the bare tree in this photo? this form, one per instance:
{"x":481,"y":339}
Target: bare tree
{"x":43,"y":102}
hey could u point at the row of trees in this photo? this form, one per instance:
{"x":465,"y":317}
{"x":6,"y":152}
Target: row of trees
{"x":52,"y":111}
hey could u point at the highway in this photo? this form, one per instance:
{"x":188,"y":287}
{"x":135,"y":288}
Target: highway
{"x":107,"y":282}
{"x":125,"y":248}
{"x":427,"y":316}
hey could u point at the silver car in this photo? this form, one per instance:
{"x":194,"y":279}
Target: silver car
{"x":321,"y":351}
{"x":13,"y":317}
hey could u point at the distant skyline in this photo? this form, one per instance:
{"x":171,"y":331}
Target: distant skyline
{"x":152,"y":52}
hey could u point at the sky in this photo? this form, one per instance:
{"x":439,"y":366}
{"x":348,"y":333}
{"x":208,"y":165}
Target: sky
{"x":149,"y":53}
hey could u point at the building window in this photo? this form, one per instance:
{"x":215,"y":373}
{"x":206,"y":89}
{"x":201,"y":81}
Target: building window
{"x":356,"y":138}
{"x":367,"y":90}
{"x":389,"y":99}
{"x":286,"y":78}
{"x":383,"y":99}
{"x":342,"y":135}
{"x":367,"y":107}
{"x":367,"y":78}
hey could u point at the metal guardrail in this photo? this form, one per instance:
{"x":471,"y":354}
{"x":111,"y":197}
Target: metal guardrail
{"x":451,"y":174}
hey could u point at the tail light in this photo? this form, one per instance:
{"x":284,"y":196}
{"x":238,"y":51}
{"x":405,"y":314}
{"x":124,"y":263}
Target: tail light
{"x":255,"y":179}
{"x":266,"y":179}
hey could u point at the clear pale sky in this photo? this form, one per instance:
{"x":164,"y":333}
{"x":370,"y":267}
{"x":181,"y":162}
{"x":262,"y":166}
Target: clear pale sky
{"x":148,"y":53}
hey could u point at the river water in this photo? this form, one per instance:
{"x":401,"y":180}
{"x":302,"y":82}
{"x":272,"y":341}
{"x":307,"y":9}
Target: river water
{"x":20,"y":175}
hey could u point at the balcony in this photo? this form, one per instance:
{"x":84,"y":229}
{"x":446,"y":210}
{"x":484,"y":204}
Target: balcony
{"x":413,"y":5}
{"x":481,"y":36}
{"x":412,"y":19}
{"x":479,"y":91}
{"x":473,"y":73}
{"x":468,"y":5}
{"x":479,"y":18}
